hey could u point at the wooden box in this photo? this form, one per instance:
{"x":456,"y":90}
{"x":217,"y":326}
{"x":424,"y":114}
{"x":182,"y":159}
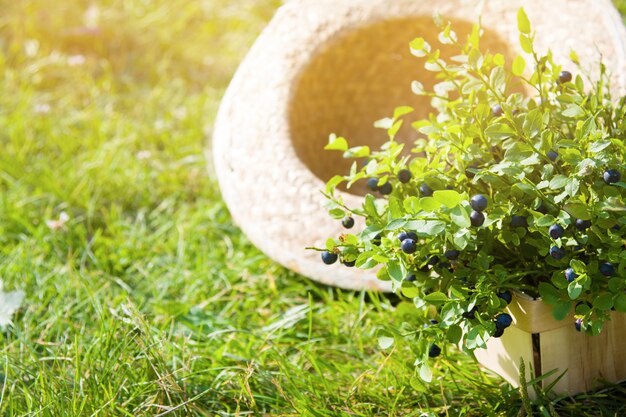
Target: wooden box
{"x":546,"y":344}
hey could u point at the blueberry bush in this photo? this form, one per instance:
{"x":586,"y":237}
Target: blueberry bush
{"x":514,"y":186}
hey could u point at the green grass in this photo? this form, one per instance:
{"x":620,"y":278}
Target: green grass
{"x":150,"y":301}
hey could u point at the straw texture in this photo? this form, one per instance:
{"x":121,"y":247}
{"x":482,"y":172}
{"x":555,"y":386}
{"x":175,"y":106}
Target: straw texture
{"x":337,"y":66}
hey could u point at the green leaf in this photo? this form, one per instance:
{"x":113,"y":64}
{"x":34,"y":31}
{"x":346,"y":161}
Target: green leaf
{"x":533,"y":122}
{"x":499,"y":131}
{"x":410,"y":290}
{"x":578,"y":210}
{"x":333,"y":182}
{"x":425,"y":373}
{"x":436,"y":297}
{"x":599,"y":145}
{"x":572,"y":187}
{"x":574,"y":289}
{"x":616,"y":284}
{"x":523,"y":24}
{"x":394,"y":269}
{"x":385,"y":342}
{"x":401,"y":111}
{"x":459,"y":216}
{"x":603,"y":301}
{"x":429,"y":204}
{"x":573,"y":110}
{"x":558,"y":181}
{"x":419,"y":47}
{"x":518,"y":66}
{"x":561,"y":309}
{"x":357,"y":152}
{"x":454,"y":334}
{"x":448,"y":198}
{"x":336,"y":143}
{"x":545,"y":220}
{"x":548,"y":292}
{"x":620,"y":302}
{"x":526,"y":44}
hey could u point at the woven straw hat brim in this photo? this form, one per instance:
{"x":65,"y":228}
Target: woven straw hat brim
{"x":337,"y":66}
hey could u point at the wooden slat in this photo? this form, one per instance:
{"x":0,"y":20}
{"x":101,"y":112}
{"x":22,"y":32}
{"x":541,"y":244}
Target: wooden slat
{"x":535,"y":316}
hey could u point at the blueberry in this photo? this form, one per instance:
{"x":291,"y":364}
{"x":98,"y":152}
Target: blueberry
{"x":570,"y":275}
{"x":565,"y":77}
{"x":372,"y":184}
{"x":607,"y":269}
{"x":578,"y":324}
{"x":349,"y":264}
{"x":434,"y":351}
{"x":499,"y":332}
{"x":377,"y":239}
{"x":496,"y":110}
{"x":552,"y":155}
{"x":434,"y":260}
{"x":329,"y":258}
{"x":410,"y":278}
{"x":506,"y":296}
{"x":404,"y":176}
{"x":479,"y":202}
{"x":425,"y":190}
{"x":433,"y":321}
{"x":407,"y":235}
{"x":556,"y":231}
{"x":504,"y":320}
{"x":470,"y":314}
{"x":452,"y":254}
{"x":582,"y":224}
{"x":347,"y":222}
{"x":611,"y":176}
{"x":477,"y":218}
{"x":408,"y":246}
{"x":385,"y":189}
{"x":615,"y":227}
{"x":557,"y":253}
{"x":518,"y":221}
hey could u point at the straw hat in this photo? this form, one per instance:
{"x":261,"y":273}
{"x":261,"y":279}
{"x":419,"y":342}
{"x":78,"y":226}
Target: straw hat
{"x":324,"y":66}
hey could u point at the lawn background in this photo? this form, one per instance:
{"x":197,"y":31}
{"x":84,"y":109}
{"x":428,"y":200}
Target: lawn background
{"x":150,"y":301}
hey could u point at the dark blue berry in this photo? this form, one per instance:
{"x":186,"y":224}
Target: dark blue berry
{"x":570,"y":275}
{"x":434,"y":351}
{"x":552,"y":155}
{"x":372,"y":184}
{"x":607,"y":269}
{"x":556,"y":231}
{"x":506,"y":296}
{"x":582,"y":224}
{"x":497,"y":110}
{"x":347,"y":222}
{"x":611,"y":176}
{"x":578,"y":324}
{"x":470,"y":314}
{"x":404,"y":176}
{"x":499,"y":332}
{"x":519,"y":221}
{"x":410,"y":278}
{"x":615,"y":227}
{"x":329,"y":258}
{"x":433,"y":321}
{"x":434,"y":260}
{"x":557,"y":253}
{"x":349,"y":264}
{"x":565,"y":77}
{"x":477,"y":218}
{"x":479,"y":202}
{"x":504,"y":320}
{"x":407,"y":235}
{"x":408,"y":246}
{"x":425,"y":190}
{"x":452,"y":254}
{"x":377,"y":239}
{"x":385,"y":189}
